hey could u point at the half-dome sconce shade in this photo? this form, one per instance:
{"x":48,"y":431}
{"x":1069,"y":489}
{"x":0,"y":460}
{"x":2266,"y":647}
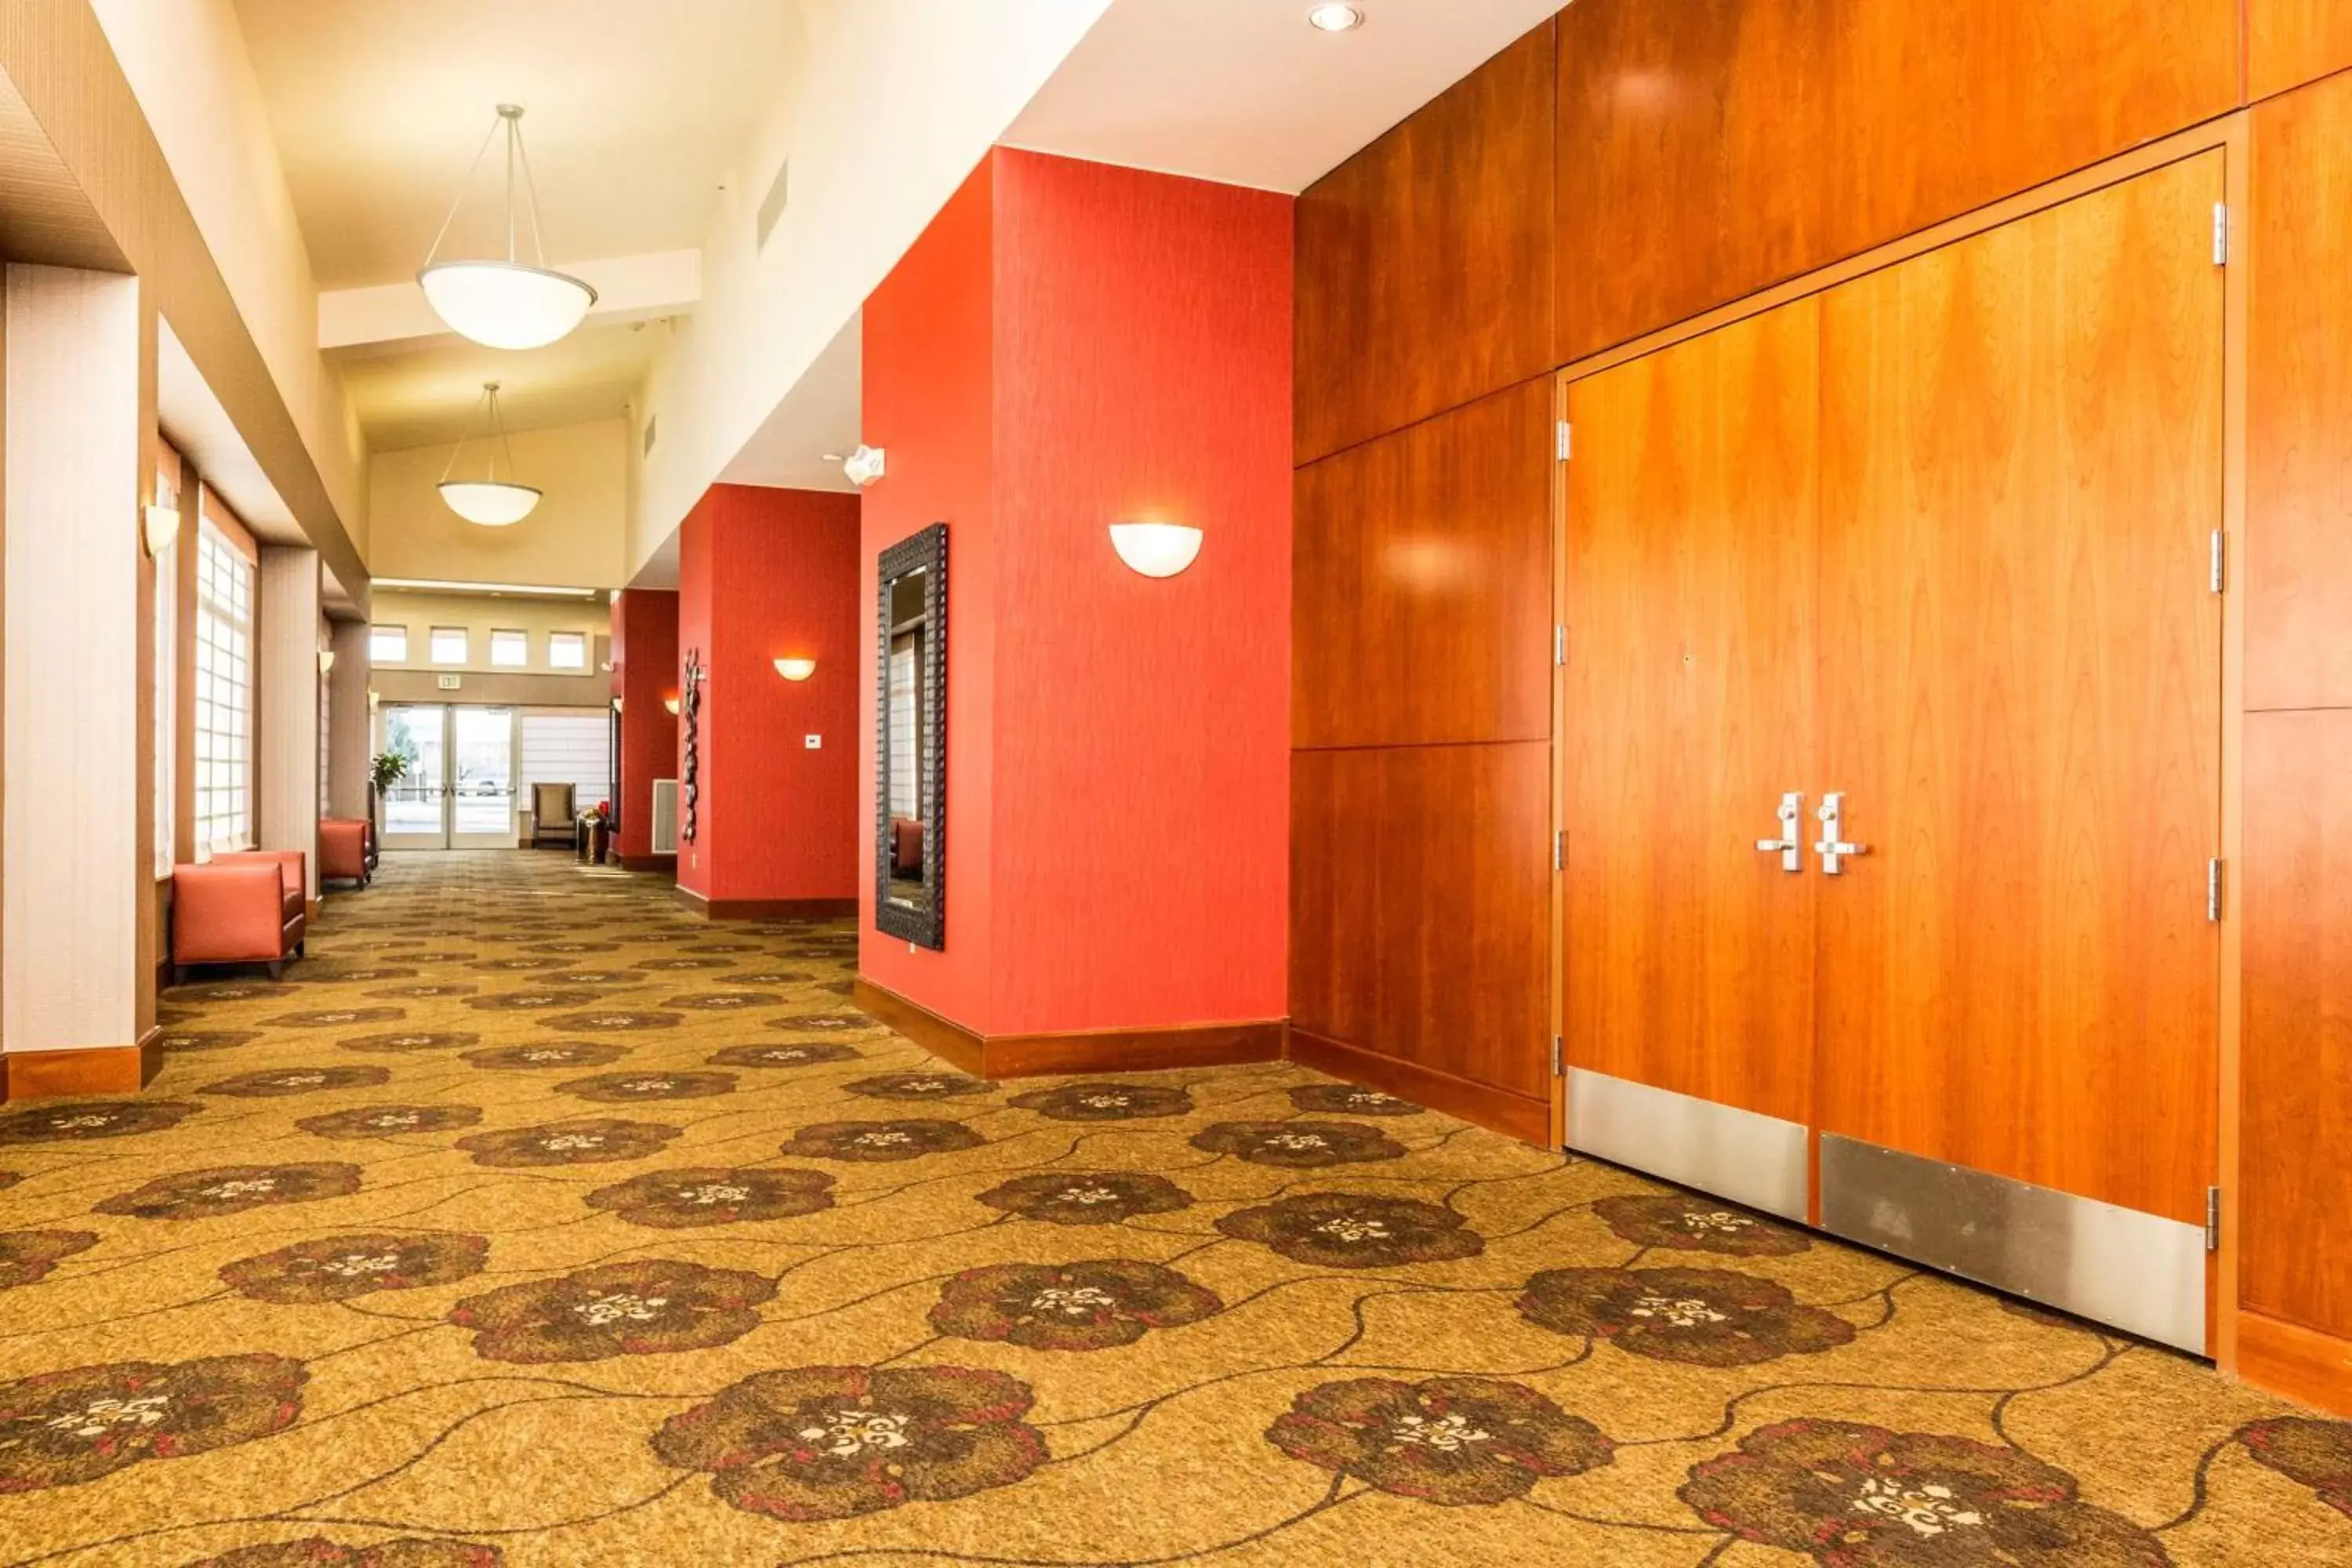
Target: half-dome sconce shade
{"x":492,"y":502}
{"x":506,"y":303}
{"x":1155,"y":549}
{"x":795,"y":668}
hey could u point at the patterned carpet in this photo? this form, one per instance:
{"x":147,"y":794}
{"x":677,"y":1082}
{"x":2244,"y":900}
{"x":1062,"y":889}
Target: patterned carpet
{"x":532,"y":1222}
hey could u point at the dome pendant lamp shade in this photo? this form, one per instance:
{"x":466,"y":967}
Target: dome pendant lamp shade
{"x":506,"y":303}
{"x":489,"y":500}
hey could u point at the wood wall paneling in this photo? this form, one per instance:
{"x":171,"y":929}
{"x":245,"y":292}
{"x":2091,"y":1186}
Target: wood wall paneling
{"x":2298,"y":554}
{"x":2297,"y":1062}
{"x":1424,"y":271}
{"x":1692,"y":510}
{"x":1711,"y":148}
{"x":2290,"y":42}
{"x":2021,"y":691}
{"x":1420,"y":907}
{"x":1422,"y":582}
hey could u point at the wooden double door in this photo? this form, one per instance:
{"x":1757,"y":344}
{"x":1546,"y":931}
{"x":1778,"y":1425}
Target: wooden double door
{"x":1938,"y":540}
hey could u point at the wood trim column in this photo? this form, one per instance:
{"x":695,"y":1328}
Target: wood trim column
{"x":286,"y":705}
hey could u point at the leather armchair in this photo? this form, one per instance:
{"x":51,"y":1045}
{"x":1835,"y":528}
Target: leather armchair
{"x":245,"y":908}
{"x":343,"y":851}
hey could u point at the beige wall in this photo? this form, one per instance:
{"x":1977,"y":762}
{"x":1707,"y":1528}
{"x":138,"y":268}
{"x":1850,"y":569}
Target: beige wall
{"x":420,"y":613}
{"x":186,"y":65}
{"x":576,"y":538}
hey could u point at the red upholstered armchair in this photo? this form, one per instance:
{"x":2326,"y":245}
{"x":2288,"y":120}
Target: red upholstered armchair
{"x":343,"y":851}
{"x":246,"y":908}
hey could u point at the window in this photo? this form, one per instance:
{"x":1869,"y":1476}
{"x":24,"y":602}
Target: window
{"x":224,"y":695}
{"x":449,"y":645}
{"x":567,"y":651}
{"x":509,"y":651}
{"x":387,"y":645}
{"x":567,"y":747}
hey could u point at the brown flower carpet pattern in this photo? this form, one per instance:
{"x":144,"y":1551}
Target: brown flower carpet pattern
{"x":532,"y":1222}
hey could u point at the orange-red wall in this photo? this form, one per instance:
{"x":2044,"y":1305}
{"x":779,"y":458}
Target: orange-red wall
{"x":765,"y":575}
{"x":1071,"y":344}
{"x":645,"y":670}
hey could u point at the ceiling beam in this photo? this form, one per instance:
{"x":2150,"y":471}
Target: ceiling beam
{"x":395,"y":316}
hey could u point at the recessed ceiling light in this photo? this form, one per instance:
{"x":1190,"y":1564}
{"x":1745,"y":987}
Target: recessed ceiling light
{"x":1334,"y":19}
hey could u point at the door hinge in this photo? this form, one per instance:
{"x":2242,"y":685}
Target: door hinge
{"x":1566,"y":445}
{"x":1560,"y":645}
{"x":2212,"y":1219}
{"x":2213,"y":890}
{"x":2220,"y":234}
{"x":1558,"y":1058}
{"x":2221,"y":562}
{"x":1559,"y":850}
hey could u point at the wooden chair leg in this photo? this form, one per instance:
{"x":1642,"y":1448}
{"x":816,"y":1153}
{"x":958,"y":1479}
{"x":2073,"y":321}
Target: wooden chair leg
{"x":277,"y":969}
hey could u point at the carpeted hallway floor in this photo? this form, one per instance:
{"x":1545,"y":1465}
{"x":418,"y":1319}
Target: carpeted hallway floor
{"x":532,"y":1222}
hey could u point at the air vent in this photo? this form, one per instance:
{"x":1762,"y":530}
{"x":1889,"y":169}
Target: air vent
{"x":653,"y":424}
{"x":771,"y":206}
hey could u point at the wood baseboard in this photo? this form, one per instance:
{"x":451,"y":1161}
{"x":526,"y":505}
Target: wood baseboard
{"x":99,"y":1069}
{"x":2301,"y":1363}
{"x":1079,"y":1051}
{"x":1512,"y":1115}
{"x":765,"y":908}
{"x":654,"y":865}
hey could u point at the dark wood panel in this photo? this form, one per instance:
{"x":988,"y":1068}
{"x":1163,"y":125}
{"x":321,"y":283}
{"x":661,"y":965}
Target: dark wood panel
{"x":2295,"y":1062}
{"x":1710,"y":148}
{"x":1421,"y":915}
{"x":2020,"y":693}
{"x":2290,"y":42}
{"x":1425,"y":261}
{"x":1421,"y":586}
{"x":1513,"y":1115}
{"x":1692,"y":510}
{"x":2298,"y":564}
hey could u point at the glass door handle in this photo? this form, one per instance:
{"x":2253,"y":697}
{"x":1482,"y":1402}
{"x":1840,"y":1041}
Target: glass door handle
{"x":1790,"y":845}
{"x":1832,"y":849}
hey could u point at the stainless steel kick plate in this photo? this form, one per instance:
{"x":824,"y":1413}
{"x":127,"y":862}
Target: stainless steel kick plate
{"x":2141,"y":1272}
{"x":1759,"y":1161}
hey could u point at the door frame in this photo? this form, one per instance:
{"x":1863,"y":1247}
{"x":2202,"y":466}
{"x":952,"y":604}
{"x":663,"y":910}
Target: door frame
{"x":449,"y":837}
{"x":2233,"y":135}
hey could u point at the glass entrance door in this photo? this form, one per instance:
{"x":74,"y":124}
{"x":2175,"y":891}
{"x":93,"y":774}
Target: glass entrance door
{"x":458,"y":791}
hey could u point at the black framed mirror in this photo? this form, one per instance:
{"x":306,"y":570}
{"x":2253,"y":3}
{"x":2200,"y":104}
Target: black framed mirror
{"x":910,"y":758}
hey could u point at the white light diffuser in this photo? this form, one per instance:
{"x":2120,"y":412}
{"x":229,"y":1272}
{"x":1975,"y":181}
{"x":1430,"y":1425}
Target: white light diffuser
{"x":493,"y":504}
{"x":1155,"y":549}
{"x":795,"y":668}
{"x":506,"y":304}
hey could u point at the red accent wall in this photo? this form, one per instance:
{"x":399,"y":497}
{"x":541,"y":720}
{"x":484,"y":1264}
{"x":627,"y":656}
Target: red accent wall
{"x":1128,"y":851}
{"x":765,"y":575}
{"x":645,"y":670}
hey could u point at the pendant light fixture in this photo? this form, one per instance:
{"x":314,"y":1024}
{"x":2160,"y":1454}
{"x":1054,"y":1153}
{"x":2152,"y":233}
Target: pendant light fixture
{"x":508,"y":304}
{"x":489,"y":500}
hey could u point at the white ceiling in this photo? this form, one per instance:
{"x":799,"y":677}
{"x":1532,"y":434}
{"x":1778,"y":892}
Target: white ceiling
{"x":423,"y":398}
{"x":635,"y":113}
{"x":1245,"y":92}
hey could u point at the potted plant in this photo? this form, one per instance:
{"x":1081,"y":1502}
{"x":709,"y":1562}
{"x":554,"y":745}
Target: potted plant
{"x":385,"y":768}
{"x":593,"y":823}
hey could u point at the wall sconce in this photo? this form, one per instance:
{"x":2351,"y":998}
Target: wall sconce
{"x":1155,"y":549}
{"x":326,"y":661}
{"x":158,"y":526}
{"x":864,"y":466}
{"x":795,"y":668}
{"x":373,"y":697}
{"x":670,"y":703}
{"x":617,"y":705}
